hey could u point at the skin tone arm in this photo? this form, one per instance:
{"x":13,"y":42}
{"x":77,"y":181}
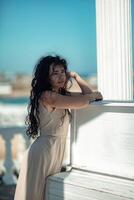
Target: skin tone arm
{"x":52,"y":99}
{"x":81,"y":82}
{"x":84,"y":87}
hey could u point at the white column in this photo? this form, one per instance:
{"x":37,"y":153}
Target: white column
{"x":114,"y":49}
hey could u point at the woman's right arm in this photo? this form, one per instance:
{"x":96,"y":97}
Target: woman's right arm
{"x":53,"y":99}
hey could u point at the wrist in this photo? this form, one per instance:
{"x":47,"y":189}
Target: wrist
{"x":76,"y":76}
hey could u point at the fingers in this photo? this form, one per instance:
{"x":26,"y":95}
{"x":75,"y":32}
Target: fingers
{"x":72,"y":74}
{"x":99,"y":96}
{"x":96,"y":95}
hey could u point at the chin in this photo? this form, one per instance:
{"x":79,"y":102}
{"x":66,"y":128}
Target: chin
{"x":62,"y":85}
{"x":61,"y":88}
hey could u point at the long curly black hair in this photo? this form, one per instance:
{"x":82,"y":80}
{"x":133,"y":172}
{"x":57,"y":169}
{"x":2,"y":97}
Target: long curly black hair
{"x":39,"y":84}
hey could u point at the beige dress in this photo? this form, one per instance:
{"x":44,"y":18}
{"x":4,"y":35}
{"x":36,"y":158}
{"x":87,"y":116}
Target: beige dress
{"x":44,"y":157}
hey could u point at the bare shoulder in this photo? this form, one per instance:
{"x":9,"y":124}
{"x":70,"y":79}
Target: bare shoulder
{"x":73,"y":100}
{"x":47,"y":98}
{"x":48,"y":95}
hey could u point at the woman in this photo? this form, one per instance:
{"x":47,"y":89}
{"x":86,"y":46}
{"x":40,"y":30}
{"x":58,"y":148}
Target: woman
{"x":48,"y":119}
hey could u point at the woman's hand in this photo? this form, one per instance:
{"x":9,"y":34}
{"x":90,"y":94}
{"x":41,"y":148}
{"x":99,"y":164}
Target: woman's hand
{"x":72,"y":75}
{"x":95,"y":96}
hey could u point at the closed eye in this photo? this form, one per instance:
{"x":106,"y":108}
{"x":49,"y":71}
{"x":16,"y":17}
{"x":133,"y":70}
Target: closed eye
{"x":63,"y":71}
{"x":59,"y":72}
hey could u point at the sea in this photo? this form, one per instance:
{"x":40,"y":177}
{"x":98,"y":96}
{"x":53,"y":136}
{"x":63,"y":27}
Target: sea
{"x":13,"y":111}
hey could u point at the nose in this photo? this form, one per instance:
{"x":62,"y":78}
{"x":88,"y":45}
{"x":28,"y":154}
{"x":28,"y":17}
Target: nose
{"x":61,"y":75}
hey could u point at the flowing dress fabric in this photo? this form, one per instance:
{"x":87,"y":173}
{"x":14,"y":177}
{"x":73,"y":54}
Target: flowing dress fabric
{"x":44,"y":157}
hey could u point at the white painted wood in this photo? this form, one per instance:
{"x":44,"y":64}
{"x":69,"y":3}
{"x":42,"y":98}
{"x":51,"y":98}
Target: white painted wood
{"x":103,"y":140}
{"x":87,"y":186}
{"x":5,"y":89}
{"x":114,"y":49}
{"x":9,"y":164}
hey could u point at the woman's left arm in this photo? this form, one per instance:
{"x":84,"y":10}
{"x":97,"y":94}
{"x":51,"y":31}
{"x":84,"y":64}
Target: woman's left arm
{"x":81,"y":82}
{"x":84,"y":87}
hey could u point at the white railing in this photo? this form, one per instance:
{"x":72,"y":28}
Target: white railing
{"x":12,"y":150}
{"x":102,"y":141}
{"x":13,"y":144}
{"x":13,"y":140}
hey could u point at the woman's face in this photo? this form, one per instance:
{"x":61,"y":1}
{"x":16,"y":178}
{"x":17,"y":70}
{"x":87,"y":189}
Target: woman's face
{"x":57,"y":77}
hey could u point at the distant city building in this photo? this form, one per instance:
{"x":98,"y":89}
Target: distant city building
{"x":21,"y":81}
{"x":4,"y":78}
{"x":15,"y":86}
{"x":5,"y":89}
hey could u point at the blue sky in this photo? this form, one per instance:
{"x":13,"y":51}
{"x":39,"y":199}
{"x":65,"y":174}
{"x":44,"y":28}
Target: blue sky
{"x":31,"y":29}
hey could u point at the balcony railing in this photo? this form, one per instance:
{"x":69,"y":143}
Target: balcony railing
{"x":100,"y":153}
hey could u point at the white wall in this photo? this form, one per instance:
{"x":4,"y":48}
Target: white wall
{"x":103,"y":139}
